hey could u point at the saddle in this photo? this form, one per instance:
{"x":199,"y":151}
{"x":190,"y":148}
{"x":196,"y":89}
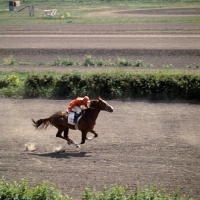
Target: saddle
{"x":73,"y":118}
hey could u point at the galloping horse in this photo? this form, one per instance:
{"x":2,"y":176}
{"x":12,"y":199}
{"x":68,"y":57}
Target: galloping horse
{"x":85,"y":124}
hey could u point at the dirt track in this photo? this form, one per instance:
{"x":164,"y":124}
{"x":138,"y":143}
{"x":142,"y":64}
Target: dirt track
{"x":145,"y":142}
{"x":148,"y":143}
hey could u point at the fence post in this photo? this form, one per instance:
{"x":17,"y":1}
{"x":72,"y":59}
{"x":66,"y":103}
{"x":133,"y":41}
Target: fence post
{"x":31,"y":11}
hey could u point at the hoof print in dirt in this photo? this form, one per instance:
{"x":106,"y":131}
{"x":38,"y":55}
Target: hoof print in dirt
{"x":59,"y":150}
{"x":30,"y":147}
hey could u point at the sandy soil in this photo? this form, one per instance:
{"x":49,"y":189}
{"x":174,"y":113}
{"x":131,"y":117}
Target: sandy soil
{"x":145,"y":142}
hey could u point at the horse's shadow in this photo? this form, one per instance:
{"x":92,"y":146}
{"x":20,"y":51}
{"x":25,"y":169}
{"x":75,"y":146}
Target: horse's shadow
{"x":64,"y":154}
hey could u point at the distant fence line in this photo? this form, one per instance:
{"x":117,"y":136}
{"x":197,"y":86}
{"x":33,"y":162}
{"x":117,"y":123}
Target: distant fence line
{"x":75,"y":2}
{"x":102,"y":1}
{"x":64,"y":2}
{"x":71,"y":1}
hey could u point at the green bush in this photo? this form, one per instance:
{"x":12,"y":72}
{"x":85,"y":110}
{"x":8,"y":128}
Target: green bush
{"x":89,"y":61}
{"x":109,"y":85}
{"x":35,"y":81}
{"x":62,"y":62}
{"x":22,"y":191}
{"x":139,"y":63}
{"x":123,"y":62}
{"x":93,"y":62}
{"x":39,"y":85}
{"x":9,"y":60}
{"x":9,"y":80}
{"x":64,"y":86}
{"x":123,"y":193}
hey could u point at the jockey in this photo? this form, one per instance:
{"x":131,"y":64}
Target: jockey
{"x":76,"y":105}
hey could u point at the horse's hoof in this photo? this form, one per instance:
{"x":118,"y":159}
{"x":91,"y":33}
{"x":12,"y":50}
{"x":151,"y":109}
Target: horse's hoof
{"x":89,"y":138}
{"x":69,"y":142}
{"x":78,"y":146}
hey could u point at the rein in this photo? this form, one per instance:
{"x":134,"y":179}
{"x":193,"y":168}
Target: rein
{"x":90,"y":108}
{"x":95,"y":108}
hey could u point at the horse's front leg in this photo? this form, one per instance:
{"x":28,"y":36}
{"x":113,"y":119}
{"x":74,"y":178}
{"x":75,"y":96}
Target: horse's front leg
{"x":95,"y":135}
{"x":84,"y":134}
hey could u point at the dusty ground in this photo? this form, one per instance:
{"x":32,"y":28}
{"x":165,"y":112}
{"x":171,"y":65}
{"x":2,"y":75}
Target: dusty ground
{"x":145,"y":142}
{"x":159,"y":44}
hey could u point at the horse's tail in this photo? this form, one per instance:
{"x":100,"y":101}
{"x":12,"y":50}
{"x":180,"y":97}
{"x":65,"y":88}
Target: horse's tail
{"x":41,"y":123}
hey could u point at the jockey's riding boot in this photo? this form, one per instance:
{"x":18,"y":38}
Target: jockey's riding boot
{"x":75,"y":118}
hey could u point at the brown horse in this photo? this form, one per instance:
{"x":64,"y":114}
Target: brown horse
{"x":85,"y":124}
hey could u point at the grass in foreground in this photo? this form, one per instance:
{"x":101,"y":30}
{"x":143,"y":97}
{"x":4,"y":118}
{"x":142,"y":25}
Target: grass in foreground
{"x":23,"y":191}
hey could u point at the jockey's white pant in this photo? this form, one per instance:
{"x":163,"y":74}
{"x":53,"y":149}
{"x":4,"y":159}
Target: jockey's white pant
{"x":77,"y":109}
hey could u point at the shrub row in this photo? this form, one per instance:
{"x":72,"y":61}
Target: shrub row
{"x":88,"y":61}
{"x":116,"y":84}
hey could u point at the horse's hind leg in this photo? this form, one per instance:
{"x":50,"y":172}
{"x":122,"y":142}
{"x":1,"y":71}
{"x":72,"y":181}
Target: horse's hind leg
{"x":69,"y":141}
{"x":66,"y":132}
{"x":59,"y":134}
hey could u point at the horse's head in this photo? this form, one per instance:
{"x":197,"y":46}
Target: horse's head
{"x":100,"y":104}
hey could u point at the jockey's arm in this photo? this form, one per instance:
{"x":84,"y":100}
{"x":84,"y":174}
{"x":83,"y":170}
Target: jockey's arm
{"x":71,"y":105}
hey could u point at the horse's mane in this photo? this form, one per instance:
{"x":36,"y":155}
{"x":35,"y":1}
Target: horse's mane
{"x":94,"y":101}
{"x":90,"y":108}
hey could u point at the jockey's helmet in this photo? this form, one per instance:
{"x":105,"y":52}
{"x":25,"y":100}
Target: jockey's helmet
{"x":86,"y":98}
